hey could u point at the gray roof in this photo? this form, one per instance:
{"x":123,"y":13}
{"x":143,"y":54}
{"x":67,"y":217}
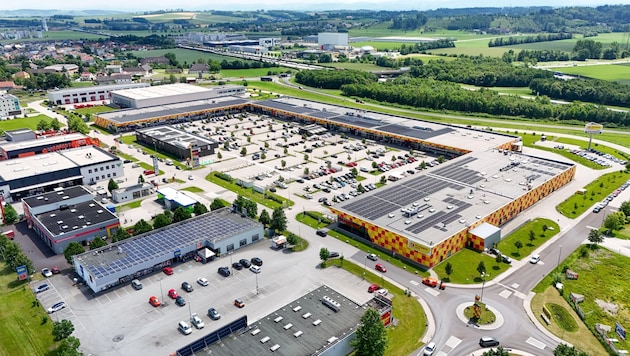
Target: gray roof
{"x":75,"y":217}
{"x":56,"y":196}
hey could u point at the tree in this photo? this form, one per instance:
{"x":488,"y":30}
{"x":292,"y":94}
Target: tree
{"x":324,"y":254}
{"x":112,"y":185}
{"x":283,"y":163}
{"x":181,"y":214}
{"x":73,"y":248}
{"x":97,"y":242}
{"x":361,"y":188}
{"x":499,"y":351}
{"x":423,"y":165}
{"x":374,"y":165}
{"x":292,"y":239}
{"x":217,"y":203}
{"x":140,"y":179}
{"x":278,"y":220}
{"x":614,"y":221}
{"x":532,"y":236}
{"x":383,"y":179}
{"x":199,"y":209}
{"x":62,"y":329}
{"x":264,"y":218}
{"x":545,"y":228}
{"x":595,"y":237}
{"x":55,"y":124}
{"x":518,"y":245}
{"x":141,"y":227}
{"x":69,"y":347}
{"x":306,"y":157}
{"x":441,"y":159}
{"x":498,"y":259}
{"x":354,"y":171}
{"x":481,"y":268}
{"x":371,"y":337}
{"x":161,"y":220}
{"x":448,"y":269}
{"x":121,"y":234}
{"x":10,"y":215}
{"x":306,"y":171}
{"x":43,"y":125}
{"x":566,"y":350}
{"x":243,"y":151}
{"x":625,"y":208}
{"x":219,"y":155}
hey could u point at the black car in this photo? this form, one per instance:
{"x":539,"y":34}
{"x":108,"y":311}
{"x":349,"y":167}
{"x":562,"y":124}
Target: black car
{"x":245,"y":263}
{"x":494,"y":251}
{"x":224,"y":271}
{"x":488,"y":341}
{"x":237,"y":266}
{"x":322,"y":233}
{"x":214,"y":314}
{"x":257,"y":261}
{"x":187,"y":287}
{"x":180,"y":301}
{"x":333,"y":254}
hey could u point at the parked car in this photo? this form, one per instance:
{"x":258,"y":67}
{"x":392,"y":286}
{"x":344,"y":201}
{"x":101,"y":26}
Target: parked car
{"x":534,"y":259}
{"x":506,"y":259}
{"x":372,"y":257}
{"x":245,"y":263}
{"x":254,"y":269}
{"x":257,"y":261}
{"x":322,"y":233}
{"x":46,"y":272}
{"x":373,"y":288}
{"x":202,"y":281}
{"x":184,"y":328}
{"x":239,"y":303}
{"x":41,"y":288}
{"x":487,"y":341}
{"x":136,"y":284}
{"x":196,"y":321}
{"x":224,"y":271}
{"x":214,"y":314}
{"x":382,"y":291}
{"x":172,"y":293}
{"x":56,"y":307}
{"x":154,"y":301}
{"x":333,"y":254}
{"x":187,"y":287}
{"x":379,"y":267}
{"x":180,"y":301}
{"x":494,"y":251}
{"x":167,"y":270}
{"x":237,"y":266}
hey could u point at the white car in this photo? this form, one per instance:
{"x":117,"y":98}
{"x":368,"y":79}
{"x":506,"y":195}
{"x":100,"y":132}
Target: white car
{"x":46,"y":272}
{"x":202,"y":281}
{"x":429,"y":349}
{"x":41,"y":288}
{"x":254,"y":268}
{"x":56,"y":307}
{"x":534,"y":259}
{"x":382,"y":291}
{"x":190,"y":177}
{"x":372,"y":257}
{"x":184,"y":328}
{"x":196,"y":321}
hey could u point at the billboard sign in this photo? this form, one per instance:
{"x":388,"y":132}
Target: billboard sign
{"x":156,"y":169}
{"x":620,"y":331}
{"x":593,"y":128}
{"x":22,"y":272}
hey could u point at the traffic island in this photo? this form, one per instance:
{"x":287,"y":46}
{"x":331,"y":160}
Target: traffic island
{"x":479,"y":315}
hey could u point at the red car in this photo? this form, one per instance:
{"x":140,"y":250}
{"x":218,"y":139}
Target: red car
{"x":172,"y":293}
{"x":373,"y":288}
{"x":379,"y":267}
{"x":431,"y":282}
{"x":154,"y":301}
{"x":168,"y":270}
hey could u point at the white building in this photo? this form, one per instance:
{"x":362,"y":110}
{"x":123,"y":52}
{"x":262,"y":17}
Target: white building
{"x":9,"y":105}
{"x":88,"y":94}
{"x":332,"y":39}
{"x":167,"y":94}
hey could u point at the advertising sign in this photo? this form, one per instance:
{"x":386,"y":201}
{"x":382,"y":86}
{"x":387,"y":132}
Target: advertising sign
{"x":620,"y":331}
{"x":22,"y":272}
{"x":593,"y":128}
{"x":155,"y":165}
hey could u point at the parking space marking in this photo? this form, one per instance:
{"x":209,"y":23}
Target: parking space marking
{"x":432,"y":291}
{"x":453,"y":342}
{"x":415,"y":283}
{"x":505,"y":294}
{"x":515,"y":285}
{"x":536,"y":343}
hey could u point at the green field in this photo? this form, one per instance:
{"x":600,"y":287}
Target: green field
{"x":29,"y":123}
{"x":465,"y":264}
{"x":58,"y":35}
{"x":506,"y":246}
{"x":182,"y":55}
{"x":355,"y":66}
{"x":94,"y":110}
{"x":612,"y":72}
{"x":596,"y":191}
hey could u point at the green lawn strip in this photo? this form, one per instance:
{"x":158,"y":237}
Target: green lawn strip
{"x":522,"y":234}
{"x":596,"y":191}
{"x":23,"y":123}
{"x":193,"y":189}
{"x":128,"y":206}
{"x":94,"y":110}
{"x":126,"y":156}
{"x":300,"y":246}
{"x":562,"y":317}
{"x":360,"y":244}
{"x":25,"y":328}
{"x":465,"y":264}
{"x":602,"y":276}
{"x":249,"y":193}
{"x":314,"y":219}
{"x":529,"y":140}
{"x":149,"y":167}
{"x":405,"y":337}
{"x":131,"y":140}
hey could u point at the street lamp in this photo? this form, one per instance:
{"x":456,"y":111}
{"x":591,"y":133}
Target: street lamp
{"x":162,"y":293}
{"x":256,"y":283}
{"x":483,"y":284}
{"x":365,"y":262}
{"x":230,"y":254}
{"x":559,"y":254}
{"x":189,"y":310}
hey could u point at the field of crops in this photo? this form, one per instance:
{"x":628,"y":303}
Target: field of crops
{"x":614,"y":72}
{"x":182,"y":55}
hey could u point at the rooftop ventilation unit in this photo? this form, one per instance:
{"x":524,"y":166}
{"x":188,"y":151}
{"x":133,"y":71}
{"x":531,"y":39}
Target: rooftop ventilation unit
{"x":288,"y":326}
{"x":265,"y":339}
{"x":297,"y":309}
{"x":274,"y":347}
{"x":327,"y":301}
{"x":307,"y":315}
{"x":278,"y":319}
{"x":255,"y":332}
{"x":298,"y":333}
{"x":317,"y":322}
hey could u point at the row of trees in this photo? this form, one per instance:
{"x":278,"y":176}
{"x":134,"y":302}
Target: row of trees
{"x":541,"y":37}
{"x":329,"y":79}
{"x":594,"y":90}
{"x":13,"y":255}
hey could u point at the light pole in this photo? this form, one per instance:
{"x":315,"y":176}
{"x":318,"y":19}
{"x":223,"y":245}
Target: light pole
{"x":189,"y":310}
{"x":365,"y":262}
{"x":162,"y":293}
{"x":559,"y":254}
{"x":256,"y":283}
{"x":483,"y":284}
{"x":230,"y":253}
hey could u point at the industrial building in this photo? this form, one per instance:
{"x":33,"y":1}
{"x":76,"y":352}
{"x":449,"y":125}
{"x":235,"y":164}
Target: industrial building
{"x":9,"y":105}
{"x":23,"y":177}
{"x":139,"y":98}
{"x":173,"y":199}
{"x":323,"y":322}
{"x":177,"y":143}
{"x":68,"y":215}
{"x":88,"y":94}
{"x":328,"y":40}
{"x":219,"y":231}
{"x":36,"y":146}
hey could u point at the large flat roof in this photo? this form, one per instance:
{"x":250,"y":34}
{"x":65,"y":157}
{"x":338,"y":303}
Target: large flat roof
{"x":457,"y":193}
{"x":163,"y":242}
{"x":56,"y":196}
{"x":88,"y":155}
{"x":99,"y":88}
{"x":173,"y":136}
{"x":75,"y":217}
{"x":160,"y":91}
{"x":46,"y":141}
{"x":300,"y":313}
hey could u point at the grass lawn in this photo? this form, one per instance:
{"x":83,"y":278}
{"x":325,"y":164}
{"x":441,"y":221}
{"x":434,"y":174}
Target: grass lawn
{"x":187,"y":56}
{"x":562,"y":317}
{"x":582,"y":337}
{"x":94,"y":110}
{"x":612,"y":72}
{"x":405,"y":337}
{"x":602,"y":278}
{"x":131,"y":140}
{"x":584,"y":144}
{"x":193,"y":189}
{"x":465,"y":264}
{"x":269,"y":200}
{"x":248,"y":73}
{"x":311,"y":221}
{"x":355,"y":66}
{"x":25,"y":328}
{"x":129,"y":206}
{"x":21,"y":123}
{"x":506,"y":246}
{"x":487,"y":316}
{"x":596,"y":191}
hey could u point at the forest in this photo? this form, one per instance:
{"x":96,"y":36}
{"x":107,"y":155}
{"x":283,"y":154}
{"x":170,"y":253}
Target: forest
{"x":329,"y":79}
{"x":590,"y":90}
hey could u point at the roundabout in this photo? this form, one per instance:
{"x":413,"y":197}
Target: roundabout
{"x":497,"y":323}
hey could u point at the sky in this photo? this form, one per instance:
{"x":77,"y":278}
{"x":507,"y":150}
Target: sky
{"x":144,"y":5}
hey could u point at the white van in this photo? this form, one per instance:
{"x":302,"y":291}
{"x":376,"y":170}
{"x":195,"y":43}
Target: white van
{"x":184,"y":327}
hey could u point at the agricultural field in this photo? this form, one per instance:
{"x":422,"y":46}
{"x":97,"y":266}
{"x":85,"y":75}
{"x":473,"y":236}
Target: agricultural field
{"x":182,"y":55}
{"x":58,"y":35}
{"x":355,"y":66}
{"x":605,"y":71}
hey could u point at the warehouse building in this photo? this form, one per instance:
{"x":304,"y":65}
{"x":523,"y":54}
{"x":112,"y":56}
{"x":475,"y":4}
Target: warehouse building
{"x":177,"y":143}
{"x":23,"y":177}
{"x":170,"y":94}
{"x":13,"y":149}
{"x":88,"y":94}
{"x":220,"y":231}
{"x":322,"y":322}
{"x":68,"y":215}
